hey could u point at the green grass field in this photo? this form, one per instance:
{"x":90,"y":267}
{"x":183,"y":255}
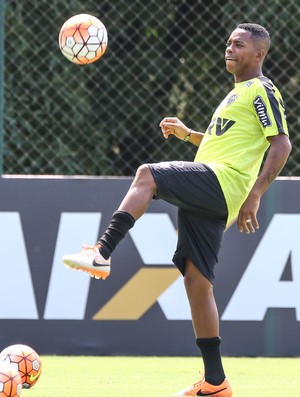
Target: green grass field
{"x":160,"y":376}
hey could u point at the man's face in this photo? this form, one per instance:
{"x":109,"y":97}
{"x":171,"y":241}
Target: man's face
{"x":241,"y":55}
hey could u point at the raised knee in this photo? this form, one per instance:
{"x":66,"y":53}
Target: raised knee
{"x":143,"y":171}
{"x":144,"y":176}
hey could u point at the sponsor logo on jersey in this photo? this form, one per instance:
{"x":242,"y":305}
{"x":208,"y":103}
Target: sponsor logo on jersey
{"x":261,"y":111}
{"x":231,"y":99}
{"x":249,"y":83}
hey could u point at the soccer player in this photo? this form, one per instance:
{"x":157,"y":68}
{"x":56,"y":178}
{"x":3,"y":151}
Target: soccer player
{"x":225,"y":183}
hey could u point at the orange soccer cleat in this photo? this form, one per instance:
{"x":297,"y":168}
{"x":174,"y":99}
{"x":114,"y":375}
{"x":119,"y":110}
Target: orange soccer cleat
{"x":203,"y":388}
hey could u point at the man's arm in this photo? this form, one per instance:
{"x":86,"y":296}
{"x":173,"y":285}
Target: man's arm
{"x":278,"y":153}
{"x":173,"y":126}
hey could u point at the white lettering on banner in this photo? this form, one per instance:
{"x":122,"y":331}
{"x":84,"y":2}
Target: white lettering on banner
{"x":174,"y":302}
{"x":158,"y":231}
{"x":16,"y":283}
{"x":68,"y":291}
{"x":260,"y":287}
{"x":155,"y":239}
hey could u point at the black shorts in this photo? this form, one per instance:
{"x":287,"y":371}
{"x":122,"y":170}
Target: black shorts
{"x":202,"y":211}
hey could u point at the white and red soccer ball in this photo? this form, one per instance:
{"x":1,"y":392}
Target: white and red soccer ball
{"x":25,"y":361}
{"x":83,"y":39}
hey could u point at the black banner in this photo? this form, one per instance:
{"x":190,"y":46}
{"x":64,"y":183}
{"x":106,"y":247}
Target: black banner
{"x":141,"y":309}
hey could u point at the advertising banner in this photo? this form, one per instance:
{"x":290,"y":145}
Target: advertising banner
{"x":141,"y":309}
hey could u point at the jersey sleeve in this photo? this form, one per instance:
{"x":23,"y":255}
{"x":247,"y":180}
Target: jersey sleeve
{"x":269,"y":109}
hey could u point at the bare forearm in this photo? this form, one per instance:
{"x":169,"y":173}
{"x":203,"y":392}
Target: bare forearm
{"x":195,"y":137}
{"x":173,"y":126}
{"x":277,"y":156}
{"x":275,"y":161}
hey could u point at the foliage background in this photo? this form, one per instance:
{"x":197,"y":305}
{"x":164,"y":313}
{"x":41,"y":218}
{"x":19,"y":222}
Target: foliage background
{"x":165,"y":57}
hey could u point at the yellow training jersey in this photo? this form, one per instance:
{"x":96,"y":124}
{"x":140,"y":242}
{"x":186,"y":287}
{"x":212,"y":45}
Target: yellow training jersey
{"x":236,"y":139}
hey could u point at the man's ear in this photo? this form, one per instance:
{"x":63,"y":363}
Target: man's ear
{"x":260,"y":55}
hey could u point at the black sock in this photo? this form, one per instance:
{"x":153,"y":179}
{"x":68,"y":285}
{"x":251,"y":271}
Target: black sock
{"x":119,"y":225}
{"x":213,"y":368}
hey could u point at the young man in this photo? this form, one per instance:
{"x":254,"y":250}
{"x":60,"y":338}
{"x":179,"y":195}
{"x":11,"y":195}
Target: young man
{"x":221,"y":185}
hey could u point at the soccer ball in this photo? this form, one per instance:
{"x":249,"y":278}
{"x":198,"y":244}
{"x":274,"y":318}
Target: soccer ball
{"x":26,"y":361}
{"x":83,"y":39}
{"x":10,"y":381}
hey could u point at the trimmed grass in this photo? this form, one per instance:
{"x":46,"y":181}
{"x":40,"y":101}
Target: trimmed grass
{"x":160,"y":376}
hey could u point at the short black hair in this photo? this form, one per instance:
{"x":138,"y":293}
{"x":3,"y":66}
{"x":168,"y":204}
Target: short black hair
{"x":258,"y":32}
